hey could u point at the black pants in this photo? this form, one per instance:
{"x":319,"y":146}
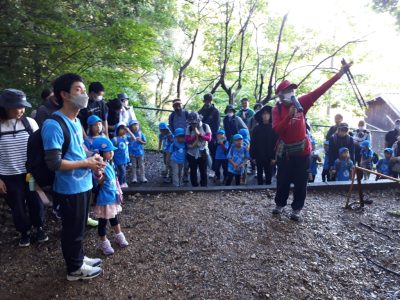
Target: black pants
{"x":212,"y":147}
{"x":230,"y":177}
{"x":201,"y":163}
{"x":264,"y":167}
{"x":74,"y":211}
{"x":326,"y":176}
{"x":102,"y":228}
{"x":218,"y":163}
{"x":21,"y":201}
{"x":292,"y":170}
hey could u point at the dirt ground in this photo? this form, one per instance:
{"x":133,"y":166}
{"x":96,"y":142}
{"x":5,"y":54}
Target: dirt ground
{"x":222,"y":246}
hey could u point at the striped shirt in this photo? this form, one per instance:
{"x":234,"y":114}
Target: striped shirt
{"x":13,"y":146}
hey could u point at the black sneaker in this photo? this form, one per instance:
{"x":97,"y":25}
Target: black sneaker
{"x":41,"y":235}
{"x":25,"y":240}
{"x":295,"y":215}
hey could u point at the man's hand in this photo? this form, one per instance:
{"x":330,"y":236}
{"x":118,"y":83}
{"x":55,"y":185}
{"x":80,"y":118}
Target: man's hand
{"x":95,"y":163}
{"x":3,"y":188}
{"x":292,"y":111}
{"x":197,"y":131}
{"x":345,"y":68}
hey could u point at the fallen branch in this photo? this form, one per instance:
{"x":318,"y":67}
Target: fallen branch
{"x":382,"y":267}
{"x":374,"y":230}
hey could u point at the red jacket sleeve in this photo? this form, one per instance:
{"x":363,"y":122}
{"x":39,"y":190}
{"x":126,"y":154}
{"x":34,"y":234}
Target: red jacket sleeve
{"x":190,"y":139}
{"x":206,"y":137}
{"x":308,"y":100}
{"x":280,"y":120}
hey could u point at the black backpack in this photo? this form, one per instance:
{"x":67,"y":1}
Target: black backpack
{"x":35,"y":163}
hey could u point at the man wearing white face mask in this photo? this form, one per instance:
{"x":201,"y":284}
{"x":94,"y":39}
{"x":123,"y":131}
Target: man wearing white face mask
{"x":232,"y":123}
{"x":391,"y":136}
{"x":294,"y":146}
{"x":73,"y":177}
{"x":96,"y":106}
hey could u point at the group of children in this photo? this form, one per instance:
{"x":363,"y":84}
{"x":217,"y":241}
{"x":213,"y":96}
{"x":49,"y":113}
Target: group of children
{"x":231,"y":159}
{"x":343,"y":165}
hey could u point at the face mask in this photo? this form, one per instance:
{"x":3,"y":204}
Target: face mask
{"x":361,"y":127}
{"x":397,"y":127}
{"x":99,"y":98}
{"x":80,"y":101}
{"x":287,"y":96}
{"x":230,"y":114}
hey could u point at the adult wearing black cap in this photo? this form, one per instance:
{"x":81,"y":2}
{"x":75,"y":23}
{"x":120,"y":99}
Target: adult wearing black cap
{"x":127,"y":114}
{"x":232,"y":123}
{"x":15,"y":129}
{"x":339,"y":140}
{"x":211,"y":117}
{"x":392,"y":135}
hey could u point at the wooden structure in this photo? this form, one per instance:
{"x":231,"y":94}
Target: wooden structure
{"x":381,"y":113}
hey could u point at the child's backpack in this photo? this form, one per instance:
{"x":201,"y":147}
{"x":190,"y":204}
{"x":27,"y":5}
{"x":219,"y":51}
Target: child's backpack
{"x":35,"y":163}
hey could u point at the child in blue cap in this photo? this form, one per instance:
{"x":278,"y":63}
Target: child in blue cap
{"x":165,"y":139}
{"x":109,"y":197}
{"x":220,"y":159}
{"x":366,"y":157}
{"x":383,"y":165}
{"x":343,"y":165}
{"x":237,"y":158}
{"x":136,"y":152}
{"x":121,"y":155}
{"x":95,"y":129}
{"x":178,"y":157}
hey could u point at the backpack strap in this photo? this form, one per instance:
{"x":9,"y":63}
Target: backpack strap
{"x":26,"y":124}
{"x":66,"y":133}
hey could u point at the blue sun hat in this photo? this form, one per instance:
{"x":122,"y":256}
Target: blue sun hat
{"x":162,"y":125}
{"x":343,"y":149}
{"x":365,"y":143}
{"x":103,"y":144}
{"x":179,"y":132}
{"x":93,"y":119}
{"x":237,"y":136}
{"x":221,"y":131}
{"x":133,"y":122}
{"x":388,"y":150}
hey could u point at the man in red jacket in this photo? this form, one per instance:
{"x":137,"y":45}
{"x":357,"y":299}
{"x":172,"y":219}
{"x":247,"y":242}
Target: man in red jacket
{"x":294,"y":147}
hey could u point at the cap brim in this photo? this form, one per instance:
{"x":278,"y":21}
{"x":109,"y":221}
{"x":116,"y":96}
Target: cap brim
{"x":15,"y":105}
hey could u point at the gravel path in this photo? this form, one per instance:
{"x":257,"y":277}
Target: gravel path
{"x":222,"y":246}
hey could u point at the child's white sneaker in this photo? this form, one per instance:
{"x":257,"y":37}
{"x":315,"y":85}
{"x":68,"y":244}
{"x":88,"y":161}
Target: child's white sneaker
{"x":120,"y":240}
{"x":124,"y":185}
{"x":105,"y":247}
{"x":144,"y":180}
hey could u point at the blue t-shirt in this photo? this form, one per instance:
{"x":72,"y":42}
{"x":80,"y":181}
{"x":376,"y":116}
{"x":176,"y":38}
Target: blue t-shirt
{"x":178,"y":152}
{"x":313,"y":165}
{"x":220,"y":152}
{"x":121,"y":155}
{"x":136,"y":148}
{"x":166,"y":141}
{"x":326,"y":161}
{"x":238,"y":156}
{"x":77,"y":180}
{"x":343,"y":169}
{"x":383,"y":166}
{"x":366,"y":153}
{"x":108,"y":192}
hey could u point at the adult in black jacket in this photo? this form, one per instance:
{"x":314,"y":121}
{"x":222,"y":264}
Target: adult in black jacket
{"x":339,"y":140}
{"x":211,"y":117}
{"x":232,"y":123}
{"x":332,"y":130}
{"x":114,"y":110}
{"x":262,"y":145}
{"x":391,"y":136}
{"x":47,"y":108}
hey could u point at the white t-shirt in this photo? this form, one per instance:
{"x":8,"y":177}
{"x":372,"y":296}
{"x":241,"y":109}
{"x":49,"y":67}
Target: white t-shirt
{"x":127,"y":115}
{"x":13,"y":146}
